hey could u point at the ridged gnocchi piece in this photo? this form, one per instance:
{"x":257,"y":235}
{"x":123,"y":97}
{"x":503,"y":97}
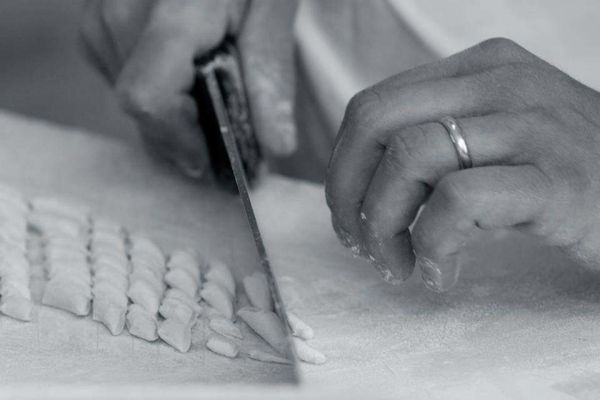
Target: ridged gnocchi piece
{"x":257,"y":290}
{"x":222,"y":346}
{"x":218,"y":298}
{"x":307,"y":353}
{"x":17,"y":307}
{"x":141,"y":323}
{"x":62,"y":208}
{"x":267,"y":325}
{"x":300,"y":328}
{"x":176,"y":309}
{"x":111,"y":275}
{"x":173,"y":293}
{"x":187,"y":260}
{"x":176,"y":334}
{"x":258,"y":354}
{"x":218,"y":272}
{"x":183,"y":280}
{"x":15,"y":295}
{"x":225,"y":327}
{"x":179,"y":305}
{"x":141,"y":292}
{"x":67,"y":267}
{"x":111,"y":313}
{"x":63,"y":294}
{"x":146,"y":285}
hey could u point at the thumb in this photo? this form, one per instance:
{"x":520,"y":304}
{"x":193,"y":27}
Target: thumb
{"x":267,"y":52}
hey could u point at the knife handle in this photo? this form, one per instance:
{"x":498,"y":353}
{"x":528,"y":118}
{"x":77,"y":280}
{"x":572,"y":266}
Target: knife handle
{"x":224,"y":61}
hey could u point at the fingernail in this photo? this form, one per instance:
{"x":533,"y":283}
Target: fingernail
{"x":385,"y":272}
{"x":432,"y":274}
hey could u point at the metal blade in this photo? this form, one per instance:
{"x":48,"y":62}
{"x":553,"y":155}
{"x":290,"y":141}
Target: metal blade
{"x":239,"y":174}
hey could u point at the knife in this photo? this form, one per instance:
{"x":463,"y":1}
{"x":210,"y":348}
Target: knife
{"x":219,"y":78}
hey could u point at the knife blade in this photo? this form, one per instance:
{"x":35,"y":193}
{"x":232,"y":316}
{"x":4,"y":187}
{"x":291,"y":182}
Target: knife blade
{"x":213,"y":85}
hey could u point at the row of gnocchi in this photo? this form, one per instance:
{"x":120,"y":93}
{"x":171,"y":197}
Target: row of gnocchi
{"x":93,"y":265}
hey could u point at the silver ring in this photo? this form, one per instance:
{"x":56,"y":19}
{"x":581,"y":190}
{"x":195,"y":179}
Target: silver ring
{"x":458,"y":140}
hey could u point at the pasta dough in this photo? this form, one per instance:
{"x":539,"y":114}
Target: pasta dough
{"x":219,"y":272}
{"x":111,"y":269}
{"x":222,"y":346}
{"x":175,"y":333}
{"x":146,"y":287}
{"x":218,"y":298}
{"x":179,"y":305}
{"x":257,"y":290}
{"x":267,"y":325}
{"x":67,"y":266}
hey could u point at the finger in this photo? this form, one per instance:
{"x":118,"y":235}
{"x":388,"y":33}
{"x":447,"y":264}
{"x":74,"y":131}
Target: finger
{"x":124,"y":21}
{"x":483,"y":56}
{"x":480,"y":198}
{"x":155,"y":82}
{"x":373,"y":115}
{"x":266,"y":45}
{"x":414,"y":159}
{"x":96,"y":43}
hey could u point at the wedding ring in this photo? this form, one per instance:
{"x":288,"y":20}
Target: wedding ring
{"x":458,"y":141}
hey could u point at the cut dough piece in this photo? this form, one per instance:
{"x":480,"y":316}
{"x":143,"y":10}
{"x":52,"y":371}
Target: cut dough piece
{"x":141,"y":323}
{"x":218,"y":298}
{"x":52,"y":225}
{"x":181,"y":279}
{"x":177,"y":334}
{"x":107,"y":225}
{"x":144,"y":294}
{"x":16,"y":307}
{"x":177,"y":294}
{"x":175,"y":309}
{"x":110,"y":314}
{"x":308,"y":354}
{"x":104,"y":291}
{"x":143,"y":247}
{"x":300,"y":328}
{"x":61,"y":295}
{"x":66,"y":243}
{"x":257,"y":290}
{"x":117,"y":262}
{"x":259,"y":354}
{"x":187,"y":260}
{"x":59,"y":254}
{"x":225,"y":327}
{"x":222,"y":346}
{"x":148,"y":277}
{"x":267,"y":325}
{"x":11,"y":288}
{"x":220,"y":273}
{"x":62,"y":208}
{"x":112,"y":276}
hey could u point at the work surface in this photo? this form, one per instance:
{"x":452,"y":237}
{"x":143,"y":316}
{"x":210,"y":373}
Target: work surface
{"x":522,"y":321}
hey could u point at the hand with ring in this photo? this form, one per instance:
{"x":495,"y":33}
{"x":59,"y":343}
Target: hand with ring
{"x":492,"y":137}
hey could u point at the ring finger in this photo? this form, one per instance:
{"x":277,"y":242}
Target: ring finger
{"x":414,"y":161}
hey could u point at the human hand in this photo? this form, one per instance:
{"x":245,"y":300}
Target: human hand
{"x":534,"y":138}
{"x":145,"y":49}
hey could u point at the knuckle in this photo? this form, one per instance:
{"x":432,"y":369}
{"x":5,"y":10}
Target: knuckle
{"x":364,"y":106}
{"x":406,"y":149}
{"x":501,"y":47}
{"x":452,"y":192}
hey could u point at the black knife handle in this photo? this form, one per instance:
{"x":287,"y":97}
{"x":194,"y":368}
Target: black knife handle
{"x":225,"y":62}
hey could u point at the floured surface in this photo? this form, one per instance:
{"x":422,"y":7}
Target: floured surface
{"x":120,"y":183}
{"x":523,"y":321}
